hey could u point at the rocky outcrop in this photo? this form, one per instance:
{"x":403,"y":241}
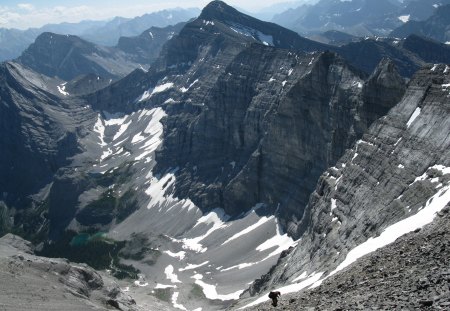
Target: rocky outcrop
{"x":397,"y":169}
{"x":55,"y":284}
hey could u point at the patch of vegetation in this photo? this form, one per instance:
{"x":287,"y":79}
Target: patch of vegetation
{"x":196,"y":292}
{"x":164,"y":294}
{"x":95,"y":250}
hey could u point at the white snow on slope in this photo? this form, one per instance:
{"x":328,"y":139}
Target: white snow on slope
{"x":287,"y":289}
{"x":211,"y":292}
{"x":157,"y":89}
{"x":260,"y":222}
{"x":253,"y":33}
{"x":281,"y":241}
{"x":62,"y":89}
{"x":404,"y":18}
{"x":99,"y":128}
{"x":179,"y":255}
{"x":170,"y":275}
{"x":174,"y":302}
{"x":192,"y":266}
{"x":162,"y":286}
{"x":390,"y":234}
{"x":217,"y":218}
{"x":413,"y":117}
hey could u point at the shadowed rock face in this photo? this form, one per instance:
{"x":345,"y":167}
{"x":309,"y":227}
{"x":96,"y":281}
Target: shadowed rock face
{"x":388,"y":175}
{"x":268,"y":128}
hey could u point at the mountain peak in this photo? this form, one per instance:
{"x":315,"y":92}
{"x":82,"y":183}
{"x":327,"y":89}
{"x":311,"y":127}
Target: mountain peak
{"x":221,"y":11}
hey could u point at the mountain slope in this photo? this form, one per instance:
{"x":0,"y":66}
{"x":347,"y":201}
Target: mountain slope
{"x":110,"y":33}
{"x":357,"y":17}
{"x":39,"y":132}
{"x":391,"y":182}
{"x":410,"y":273}
{"x":67,"y":57}
{"x":436,"y":27}
{"x":194,"y":171}
{"x":14,"y":41}
{"x":146,"y":47}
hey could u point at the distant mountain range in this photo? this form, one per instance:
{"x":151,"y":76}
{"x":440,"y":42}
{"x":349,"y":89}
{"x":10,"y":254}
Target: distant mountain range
{"x":436,"y":26}
{"x":13,"y":41}
{"x":356,"y":17}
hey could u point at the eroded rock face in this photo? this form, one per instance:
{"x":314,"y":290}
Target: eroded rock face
{"x":388,"y":175}
{"x":270,"y":125}
{"x":39,"y":135}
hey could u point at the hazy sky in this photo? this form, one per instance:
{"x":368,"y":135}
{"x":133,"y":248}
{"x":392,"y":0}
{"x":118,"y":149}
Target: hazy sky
{"x":25,"y":14}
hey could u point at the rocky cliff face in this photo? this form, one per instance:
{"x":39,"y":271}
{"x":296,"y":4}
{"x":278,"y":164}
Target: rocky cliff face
{"x":397,"y":173}
{"x":39,"y":135}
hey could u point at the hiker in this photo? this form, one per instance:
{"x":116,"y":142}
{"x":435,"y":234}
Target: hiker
{"x":274,"y":296}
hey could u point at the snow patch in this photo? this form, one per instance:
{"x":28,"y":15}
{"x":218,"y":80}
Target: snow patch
{"x":260,"y":222}
{"x":62,"y":89}
{"x":413,"y":117}
{"x":174,"y":302}
{"x":170,"y":275}
{"x":280,"y":241}
{"x":192,"y":267}
{"x":333,"y":204}
{"x":181,"y":255}
{"x":162,"y":286}
{"x":404,"y":18}
{"x":217,"y":218}
{"x":393,"y":232}
{"x":210,"y":292}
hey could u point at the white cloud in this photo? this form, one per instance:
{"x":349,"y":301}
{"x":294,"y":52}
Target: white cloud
{"x":25,"y":15}
{"x":25,"y":6}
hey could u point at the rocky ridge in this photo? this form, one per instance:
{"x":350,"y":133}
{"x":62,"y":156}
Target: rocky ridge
{"x":395,"y":171}
{"x":411,"y":273}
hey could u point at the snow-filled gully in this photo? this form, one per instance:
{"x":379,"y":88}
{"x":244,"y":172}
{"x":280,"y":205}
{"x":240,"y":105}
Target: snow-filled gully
{"x":219,"y":256}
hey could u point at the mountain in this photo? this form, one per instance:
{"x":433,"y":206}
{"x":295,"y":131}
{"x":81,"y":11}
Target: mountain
{"x":357,"y":17}
{"x":389,"y":183}
{"x":14,"y":41}
{"x":334,"y":37}
{"x":110,"y":33}
{"x":436,"y":27}
{"x":189,"y":180}
{"x":67,"y":57}
{"x":146,"y":47}
{"x":409,"y":54}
